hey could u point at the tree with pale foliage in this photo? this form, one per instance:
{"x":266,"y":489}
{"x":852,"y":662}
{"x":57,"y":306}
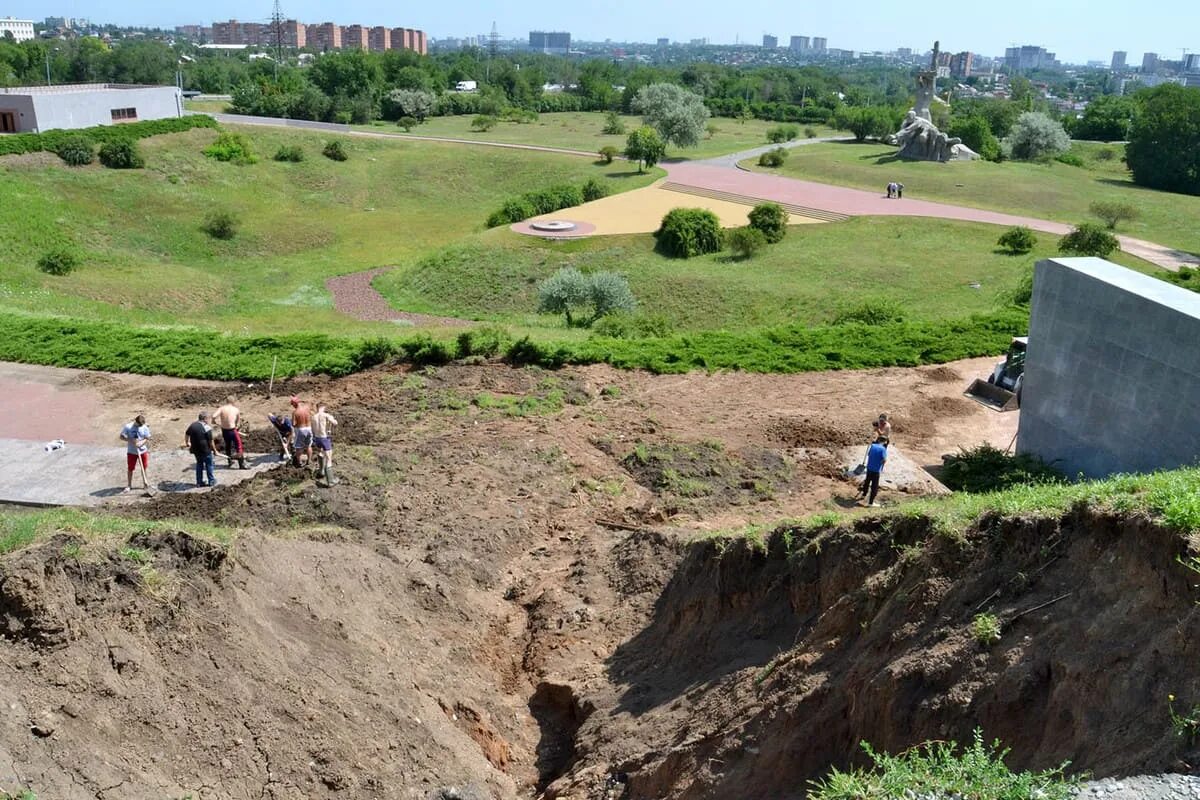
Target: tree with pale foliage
{"x":679,"y":116}
{"x":1037,"y":137}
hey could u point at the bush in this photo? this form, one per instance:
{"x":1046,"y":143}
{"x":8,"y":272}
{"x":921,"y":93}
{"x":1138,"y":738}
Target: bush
{"x":771,"y":220}
{"x":483,"y":122}
{"x":608,"y":153}
{"x":624,"y":325}
{"x":1187,"y":277}
{"x":487,"y":341}
{"x":594,"y":190}
{"x":1037,"y":137}
{"x":290,"y":152}
{"x":986,"y":629}
{"x":613,"y":125}
{"x":1017,"y":240}
{"x":1070,"y":159}
{"x":976,"y":133}
{"x":608,"y":293}
{"x":569,"y":291}
{"x":335,"y":151}
{"x":407,"y":123}
{"x":988,"y":469}
{"x":220,"y":224}
{"x":544,"y":201}
{"x":1106,"y":154}
{"x":711,"y":130}
{"x":50,"y":141}
{"x":687,"y":232}
{"x":121,"y":154}
{"x":59,"y":261}
{"x":76,"y":151}
{"x":513,"y":210}
{"x":745,"y":242}
{"x":872,"y":311}
{"x":232,"y":148}
{"x":773,"y":158}
{"x":1088,"y":240}
{"x":1113,"y":212}
{"x":782,"y":133}
{"x":810,"y":133}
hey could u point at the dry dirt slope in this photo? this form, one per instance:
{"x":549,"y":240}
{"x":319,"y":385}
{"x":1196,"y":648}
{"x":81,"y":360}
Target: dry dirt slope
{"x":453,"y":616}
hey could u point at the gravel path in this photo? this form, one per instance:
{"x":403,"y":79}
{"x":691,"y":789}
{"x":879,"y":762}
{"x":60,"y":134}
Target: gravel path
{"x":1143,"y":787}
{"x":354,"y":296}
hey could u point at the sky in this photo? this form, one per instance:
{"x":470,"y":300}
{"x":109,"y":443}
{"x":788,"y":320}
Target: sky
{"x":1077,"y":30}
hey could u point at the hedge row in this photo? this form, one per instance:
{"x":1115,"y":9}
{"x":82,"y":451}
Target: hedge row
{"x":100,"y":134}
{"x":531,"y":204}
{"x":784,"y":349}
{"x":777,"y":112}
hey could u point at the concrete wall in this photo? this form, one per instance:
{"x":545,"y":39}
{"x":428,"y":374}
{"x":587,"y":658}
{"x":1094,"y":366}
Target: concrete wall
{"x":1112,"y":375}
{"x":21,"y":107}
{"x":83,"y":109}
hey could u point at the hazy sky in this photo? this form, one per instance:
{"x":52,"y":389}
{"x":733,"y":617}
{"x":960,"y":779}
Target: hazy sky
{"x":1078,"y":30}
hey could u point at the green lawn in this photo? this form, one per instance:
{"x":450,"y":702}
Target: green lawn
{"x":924,"y":264}
{"x":207,"y":106}
{"x":582,"y":131}
{"x":146,"y":260}
{"x":1052,"y":191}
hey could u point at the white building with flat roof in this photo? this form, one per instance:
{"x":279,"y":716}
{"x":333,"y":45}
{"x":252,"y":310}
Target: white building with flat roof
{"x":36,"y":109}
{"x":21,"y":29}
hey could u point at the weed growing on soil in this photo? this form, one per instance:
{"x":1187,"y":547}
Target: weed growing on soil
{"x":23,"y":794}
{"x":986,"y":629}
{"x":987,"y":469}
{"x":1186,"y":726}
{"x":19,"y":529}
{"x":937,"y":769}
{"x":134,"y":554}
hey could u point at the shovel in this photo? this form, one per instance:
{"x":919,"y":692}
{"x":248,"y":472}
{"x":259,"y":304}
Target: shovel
{"x":149,"y":492}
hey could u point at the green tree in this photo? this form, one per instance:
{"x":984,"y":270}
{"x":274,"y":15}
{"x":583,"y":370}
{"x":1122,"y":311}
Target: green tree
{"x":976,"y":134}
{"x":613,"y":126}
{"x":1114,"y":212}
{"x":1088,"y":239}
{"x":1164,"y":139}
{"x":771,"y":220}
{"x":414,"y":103}
{"x":1017,"y":240}
{"x":1037,"y":137}
{"x":645,"y":146}
{"x":1106,"y":119}
{"x":569,"y":292}
{"x":864,"y":123}
{"x":678,"y":115}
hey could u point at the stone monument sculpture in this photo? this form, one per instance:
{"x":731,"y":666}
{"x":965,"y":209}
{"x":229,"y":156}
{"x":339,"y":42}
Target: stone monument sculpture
{"x":918,"y":138}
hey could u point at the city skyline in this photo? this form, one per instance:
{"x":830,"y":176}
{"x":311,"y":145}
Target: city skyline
{"x":1076,"y":30}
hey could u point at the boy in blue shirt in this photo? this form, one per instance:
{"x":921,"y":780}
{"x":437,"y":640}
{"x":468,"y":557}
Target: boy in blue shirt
{"x":876,"y":458}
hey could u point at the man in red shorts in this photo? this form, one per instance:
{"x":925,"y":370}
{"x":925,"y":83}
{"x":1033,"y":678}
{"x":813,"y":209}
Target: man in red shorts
{"x":136,"y":436}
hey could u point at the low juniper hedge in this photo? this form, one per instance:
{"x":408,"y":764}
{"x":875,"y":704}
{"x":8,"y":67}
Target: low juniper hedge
{"x":51,"y":141}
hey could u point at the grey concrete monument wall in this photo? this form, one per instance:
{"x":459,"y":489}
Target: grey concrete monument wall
{"x":1112,"y":374}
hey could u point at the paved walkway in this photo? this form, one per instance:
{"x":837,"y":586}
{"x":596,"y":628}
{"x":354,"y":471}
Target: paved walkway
{"x":354,"y":296}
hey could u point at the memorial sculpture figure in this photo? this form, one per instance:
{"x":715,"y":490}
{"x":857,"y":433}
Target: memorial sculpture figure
{"x":918,"y":138}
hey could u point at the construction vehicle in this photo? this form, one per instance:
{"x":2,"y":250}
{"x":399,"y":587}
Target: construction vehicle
{"x":1002,"y":389}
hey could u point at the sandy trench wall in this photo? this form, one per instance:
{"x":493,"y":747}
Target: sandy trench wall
{"x":1112,"y":376}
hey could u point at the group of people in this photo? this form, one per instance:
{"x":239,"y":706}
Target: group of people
{"x":876,"y":458}
{"x":298,"y":433}
{"x":895,"y":191}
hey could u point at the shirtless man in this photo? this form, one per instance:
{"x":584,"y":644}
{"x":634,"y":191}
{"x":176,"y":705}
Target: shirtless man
{"x":322,"y":425}
{"x":302,"y":421}
{"x":228,"y":417}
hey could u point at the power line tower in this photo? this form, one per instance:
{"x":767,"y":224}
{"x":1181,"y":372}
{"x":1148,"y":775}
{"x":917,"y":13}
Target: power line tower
{"x":277,"y":31}
{"x":493,"y":42}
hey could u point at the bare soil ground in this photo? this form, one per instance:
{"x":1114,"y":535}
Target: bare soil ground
{"x":456,"y":618}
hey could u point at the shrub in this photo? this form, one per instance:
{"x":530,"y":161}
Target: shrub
{"x":220,"y":224}
{"x":543,"y":201}
{"x":335,"y":151}
{"x":513,"y":210}
{"x":988,"y":469}
{"x":1036,"y":137}
{"x":687,"y":232}
{"x":609,"y":292}
{"x":872,"y":311}
{"x":1187,"y":277}
{"x":613,"y":125}
{"x":1088,"y":239}
{"x":487,"y":341}
{"x":608,"y":153}
{"x":343,"y":117}
{"x":1070,"y":159}
{"x":782,"y":133}
{"x":771,"y":220}
{"x":624,"y":325}
{"x":231,"y":147}
{"x":773,"y":158}
{"x":976,"y":133}
{"x":985,"y":628}
{"x":594,"y":190}
{"x":745,"y":242}
{"x":407,"y":123}
{"x":290,"y":152}
{"x":121,"y":154}
{"x":59,"y":261}
{"x":1113,"y":212}
{"x":483,"y":122}
{"x":711,"y":130}
{"x":1017,"y":240}
{"x":1106,"y":154}
{"x":49,"y":141}
{"x":569,"y":291}
{"x":76,"y":151}
{"x":810,"y":133}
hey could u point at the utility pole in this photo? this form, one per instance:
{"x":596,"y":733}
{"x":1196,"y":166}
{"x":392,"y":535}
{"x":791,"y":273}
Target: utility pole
{"x":493,"y":49}
{"x":277,"y":32}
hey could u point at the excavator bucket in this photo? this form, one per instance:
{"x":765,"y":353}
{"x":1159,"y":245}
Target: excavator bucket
{"x":992,"y":396}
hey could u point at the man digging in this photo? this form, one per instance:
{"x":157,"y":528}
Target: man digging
{"x":229,"y":417}
{"x":136,"y":436}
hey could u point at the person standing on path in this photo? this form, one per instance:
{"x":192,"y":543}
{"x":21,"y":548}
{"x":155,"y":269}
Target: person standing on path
{"x":198,"y":438}
{"x":891,"y":190}
{"x":136,"y":436}
{"x":229,"y":417}
{"x":899,"y":191}
{"x":876,"y":459}
{"x":302,"y":421}
{"x":323,"y":424}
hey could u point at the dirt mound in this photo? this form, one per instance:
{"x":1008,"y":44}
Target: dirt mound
{"x":813,"y":433}
{"x":942,"y":374}
{"x":940,"y":407}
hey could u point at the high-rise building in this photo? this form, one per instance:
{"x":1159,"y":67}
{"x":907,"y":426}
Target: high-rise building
{"x":799,"y":43}
{"x":1191,"y":62}
{"x":380,"y":39}
{"x":557,"y":42}
{"x":227,"y":32}
{"x":354,"y":37}
{"x":295,"y":34}
{"x":1149,"y":62}
{"x":1029,"y":57}
{"x":21,"y":29}
{"x":1118,"y":61}
{"x":664,"y":42}
{"x":323,"y":36}
{"x":820,"y":44}
{"x":770,"y":41}
{"x":961,"y":63}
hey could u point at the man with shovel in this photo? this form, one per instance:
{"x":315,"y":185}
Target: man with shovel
{"x":136,"y":436}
